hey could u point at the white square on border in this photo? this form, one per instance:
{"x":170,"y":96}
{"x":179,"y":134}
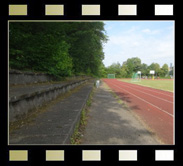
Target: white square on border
{"x":90,"y":10}
{"x":55,"y":10}
{"x":18,"y":10}
{"x":18,"y":155}
{"x":54,"y":155}
{"x":127,"y":10}
{"x":127,"y":155}
{"x":164,"y":155}
{"x":91,"y":155}
{"x":163,"y":10}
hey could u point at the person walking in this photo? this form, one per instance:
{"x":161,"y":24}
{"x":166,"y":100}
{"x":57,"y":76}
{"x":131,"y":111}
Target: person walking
{"x":97,"y":83}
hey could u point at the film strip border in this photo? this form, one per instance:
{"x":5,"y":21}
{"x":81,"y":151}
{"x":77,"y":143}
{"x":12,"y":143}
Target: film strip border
{"x":90,"y":10}
{"x":89,"y":155}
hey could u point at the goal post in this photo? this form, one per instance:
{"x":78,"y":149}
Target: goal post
{"x":136,"y":77}
{"x":110,"y":76}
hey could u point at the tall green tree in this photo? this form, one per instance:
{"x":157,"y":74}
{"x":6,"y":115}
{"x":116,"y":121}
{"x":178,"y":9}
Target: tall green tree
{"x":156,"y":67}
{"x":124,"y":70}
{"x":164,"y":70}
{"x":115,"y":68}
{"x":58,"y":48}
{"x":144,"y":69}
{"x":102,"y":71}
{"x":133,"y":65}
{"x":86,"y":49}
{"x":39,"y":47}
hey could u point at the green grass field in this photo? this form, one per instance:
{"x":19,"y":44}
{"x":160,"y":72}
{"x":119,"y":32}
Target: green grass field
{"x":167,"y":85}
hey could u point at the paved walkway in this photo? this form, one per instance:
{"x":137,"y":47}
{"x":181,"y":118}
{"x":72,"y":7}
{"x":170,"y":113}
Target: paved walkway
{"x":110,"y":123}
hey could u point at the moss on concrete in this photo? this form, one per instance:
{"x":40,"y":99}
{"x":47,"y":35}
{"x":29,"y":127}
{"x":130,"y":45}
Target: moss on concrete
{"x":32,"y":114}
{"x":81,"y":125}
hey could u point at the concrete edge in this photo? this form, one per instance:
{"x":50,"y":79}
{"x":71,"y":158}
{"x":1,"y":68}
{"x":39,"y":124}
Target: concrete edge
{"x":26,"y":96}
{"x":77,"y":119}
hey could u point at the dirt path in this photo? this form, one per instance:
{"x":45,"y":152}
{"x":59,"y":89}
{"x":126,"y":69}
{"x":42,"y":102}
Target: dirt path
{"x":110,"y":122}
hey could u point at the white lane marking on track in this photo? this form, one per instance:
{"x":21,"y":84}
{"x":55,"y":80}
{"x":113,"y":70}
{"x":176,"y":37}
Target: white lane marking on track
{"x":147,"y":88}
{"x":148,"y":94}
{"x":146,"y":101}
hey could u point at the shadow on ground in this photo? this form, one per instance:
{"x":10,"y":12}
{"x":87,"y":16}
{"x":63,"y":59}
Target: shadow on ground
{"x":110,"y":123}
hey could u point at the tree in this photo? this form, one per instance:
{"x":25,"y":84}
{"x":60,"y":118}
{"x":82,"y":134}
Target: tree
{"x":133,"y":65}
{"x":124,"y":70}
{"x":86,"y":49}
{"x":39,"y":47}
{"x":156,"y":67}
{"x":102,"y":71}
{"x":144,"y":69}
{"x":58,"y":48}
{"x":115,"y":68}
{"x":164,"y":70}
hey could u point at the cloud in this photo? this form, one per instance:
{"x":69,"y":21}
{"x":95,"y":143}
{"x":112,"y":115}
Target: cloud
{"x":151,"y":32}
{"x":108,"y":27}
{"x":132,"y":29}
{"x":149,"y":45}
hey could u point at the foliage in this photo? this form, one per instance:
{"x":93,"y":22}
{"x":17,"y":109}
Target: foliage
{"x":132,"y":65}
{"x":102,"y":71}
{"x":115,"y":68}
{"x":156,"y":68}
{"x":164,"y":70}
{"x":144,"y":69}
{"x":57,"y":48}
{"x":86,"y":46}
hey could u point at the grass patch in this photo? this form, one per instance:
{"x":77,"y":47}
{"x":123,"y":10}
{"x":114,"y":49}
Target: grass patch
{"x":81,"y":125}
{"x":166,"y":85}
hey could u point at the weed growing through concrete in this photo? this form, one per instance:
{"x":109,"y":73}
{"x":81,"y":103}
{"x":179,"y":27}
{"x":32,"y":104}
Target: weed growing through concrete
{"x":81,"y":125}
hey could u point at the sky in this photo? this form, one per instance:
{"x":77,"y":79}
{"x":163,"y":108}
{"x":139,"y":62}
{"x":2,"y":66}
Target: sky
{"x":151,"y":41}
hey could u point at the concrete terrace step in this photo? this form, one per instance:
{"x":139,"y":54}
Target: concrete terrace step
{"x":55,"y":125}
{"x":25,"y":98}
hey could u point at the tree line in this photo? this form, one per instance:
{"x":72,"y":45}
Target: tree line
{"x":132,"y":65}
{"x":61,"y":49}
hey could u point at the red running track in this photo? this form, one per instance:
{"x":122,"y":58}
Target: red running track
{"x":153,"y":106}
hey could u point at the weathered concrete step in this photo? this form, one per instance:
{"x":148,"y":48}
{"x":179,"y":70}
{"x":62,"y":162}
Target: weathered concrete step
{"x":56,"y":124}
{"x":17,"y":77}
{"x":24,"y":99}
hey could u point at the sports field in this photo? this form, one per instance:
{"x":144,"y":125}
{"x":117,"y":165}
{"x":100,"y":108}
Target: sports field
{"x":163,"y":84}
{"x":153,"y":106}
